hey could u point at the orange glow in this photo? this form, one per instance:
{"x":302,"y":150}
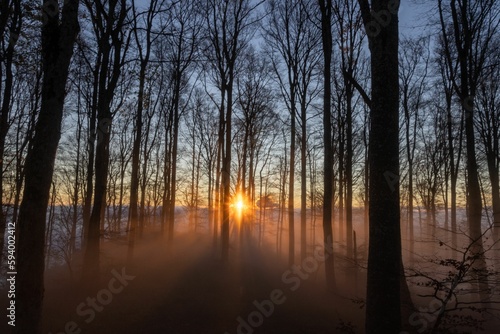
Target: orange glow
{"x":239,"y":204}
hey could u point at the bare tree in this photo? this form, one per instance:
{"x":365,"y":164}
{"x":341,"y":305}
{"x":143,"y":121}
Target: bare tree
{"x":183,"y":36}
{"x":350,"y":42}
{"x":291,"y":40}
{"x":108,"y":20}
{"x":454,"y":131}
{"x":205,"y":119}
{"x":383,"y":304}
{"x":228,"y":34}
{"x":10,"y":28}
{"x":414,"y":63}
{"x":474,"y":26}
{"x":141,"y":34}
{"x":489,"y":130}
{"x":430,"y":162}
{"x":326,"y":35}
{"x":58,"y":36}
{"x":255,"y":119}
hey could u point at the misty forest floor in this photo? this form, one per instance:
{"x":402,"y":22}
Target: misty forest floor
{"x":185,"y":288}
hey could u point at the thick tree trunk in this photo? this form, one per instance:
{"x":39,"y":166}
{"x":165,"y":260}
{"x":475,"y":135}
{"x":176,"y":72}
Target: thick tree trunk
{"x":58,"y":38}
{"x":383,"y":303}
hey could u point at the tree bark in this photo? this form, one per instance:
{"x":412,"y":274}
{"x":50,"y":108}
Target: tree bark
{"x":383,"y":305}
{"x":303,"y":182}
{"x":291,"y":187}
{"x":14,"y":24}
{"x":111,"y":46}
{"x":144,"y":53}
{"x":326,"y":33}
{"x":58,"y":37}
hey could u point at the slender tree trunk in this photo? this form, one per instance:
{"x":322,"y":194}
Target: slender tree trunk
{"x":409,"y":157}
{"x":14,"y":27}
{"x":136,"y":151}
{"x":87,"y":206}
{"x":226,"y":174}
{"x":366,"y":185}
{"x":91,"y":257}
{"x":303,"y":184}
{"x":144,"y":53}
{"x":341,"y":153}
{"x":166,"y":174}
{"x":76,"y":189}
{"x":326,"y":32}
{"x":175,"y":143}
{"x":220,"y":154}
{"x":493,"y":171}
{"x":111,"y":45}
{"x":291,"y":195}
{"x":348,"y":173}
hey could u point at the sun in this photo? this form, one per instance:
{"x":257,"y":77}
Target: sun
{"x":239,"y":204}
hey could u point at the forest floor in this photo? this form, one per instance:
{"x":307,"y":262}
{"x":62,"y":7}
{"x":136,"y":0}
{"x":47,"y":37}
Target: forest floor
{"x":185,"y":288}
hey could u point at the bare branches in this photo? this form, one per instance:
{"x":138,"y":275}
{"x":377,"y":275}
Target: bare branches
{"x":454,"y":281}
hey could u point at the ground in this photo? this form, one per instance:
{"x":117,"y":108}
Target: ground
{"x":184,"y":288}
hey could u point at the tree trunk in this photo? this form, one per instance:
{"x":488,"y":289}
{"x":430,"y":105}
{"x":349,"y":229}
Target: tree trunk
{"x":76,"y":189}
{"x":383,"y":309}
{"x":136,"y":151}
{"x":495,"y":190}
{"x":326,"y":33}
{"x":7,"y":57}
{"x":341,"y":153}
{"x":173,"y":159}
{"x":291,"y":194}
{"x":110,"y":53}
{"x":144,"y":53}
{"x":348,"y":173}
{"x":226,"y":172}
{"x":58,"y":37}
{"x":91,"y":256}
{"x":87,"y":206}
{"x":303,"y":183}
